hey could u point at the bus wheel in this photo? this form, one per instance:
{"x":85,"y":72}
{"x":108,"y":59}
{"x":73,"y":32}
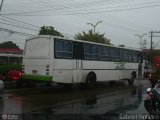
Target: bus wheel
{"x":131,"y":80}
{"x":91,"y":80}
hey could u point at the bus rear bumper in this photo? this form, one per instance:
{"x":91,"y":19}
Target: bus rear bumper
{"x":36,"y":77}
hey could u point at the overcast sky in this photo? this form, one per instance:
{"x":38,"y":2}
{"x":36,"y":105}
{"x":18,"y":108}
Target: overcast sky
{"x":121,"y":19}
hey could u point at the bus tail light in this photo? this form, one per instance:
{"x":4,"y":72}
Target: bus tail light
{"x":47,"y":70}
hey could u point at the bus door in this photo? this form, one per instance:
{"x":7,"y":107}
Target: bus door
{"x":77,"y":61}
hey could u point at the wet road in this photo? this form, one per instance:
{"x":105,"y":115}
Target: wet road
{"x":104,"y":102}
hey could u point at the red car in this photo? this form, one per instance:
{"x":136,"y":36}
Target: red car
{"x":14,"y":75}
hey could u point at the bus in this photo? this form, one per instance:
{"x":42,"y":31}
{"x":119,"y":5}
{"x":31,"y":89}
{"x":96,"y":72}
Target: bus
{"x":63,"y":60}
{"x":10,"y":61}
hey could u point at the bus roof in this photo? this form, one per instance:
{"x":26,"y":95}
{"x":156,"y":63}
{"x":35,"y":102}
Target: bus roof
{"x":66,"y":38}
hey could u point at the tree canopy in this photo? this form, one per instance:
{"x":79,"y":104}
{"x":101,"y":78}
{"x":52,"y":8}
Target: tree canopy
{"x":8,"y":44}
{"x":49,"y":30}
{"x":90,"y":36}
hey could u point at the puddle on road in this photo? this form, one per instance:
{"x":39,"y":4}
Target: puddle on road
{"x":96,"y":103}
{"x":98,"y":107}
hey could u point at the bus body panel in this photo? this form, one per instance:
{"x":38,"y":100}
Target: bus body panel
{"x":40,"y":59}
{"x":37,"y":60}
{"x":36,"y":66}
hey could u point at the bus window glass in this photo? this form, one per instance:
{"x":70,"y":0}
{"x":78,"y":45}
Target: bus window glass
{"x":135,"y":57}
{"x":3,"y":60}
{"x":123,"y":55}
{"x":104,"y":53}
{"x":90,"y":51}
{"x":13,"y":60}
{"x":115,"y":54}
{"x":130,"y":56}
{"x":126,"y":55}
{"x":64,"y":49}
{"x":122,"y":59}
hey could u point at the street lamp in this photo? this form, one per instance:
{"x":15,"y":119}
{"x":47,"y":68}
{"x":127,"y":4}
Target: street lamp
{"x":140,"y":36}
{"x":94,"y":26}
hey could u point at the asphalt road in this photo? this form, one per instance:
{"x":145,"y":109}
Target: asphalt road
{"x":108,"y":102}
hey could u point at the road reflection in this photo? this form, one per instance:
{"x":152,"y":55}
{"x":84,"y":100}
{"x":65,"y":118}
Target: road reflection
{"x":48,"y":104}
{"x":99,"y":107}
{"x":11,"y":104}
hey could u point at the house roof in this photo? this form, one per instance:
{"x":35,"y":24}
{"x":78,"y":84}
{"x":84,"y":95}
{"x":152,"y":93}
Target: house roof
{"x":11,"y":50}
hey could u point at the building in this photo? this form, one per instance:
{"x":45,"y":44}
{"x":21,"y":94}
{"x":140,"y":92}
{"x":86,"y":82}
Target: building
{"x":11,"y":51}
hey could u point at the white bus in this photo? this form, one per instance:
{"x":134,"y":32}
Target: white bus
{"x":63,"y":60}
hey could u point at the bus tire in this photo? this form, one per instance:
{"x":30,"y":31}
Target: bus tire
{"x":91,"y":80}
{"x":133,"y":77}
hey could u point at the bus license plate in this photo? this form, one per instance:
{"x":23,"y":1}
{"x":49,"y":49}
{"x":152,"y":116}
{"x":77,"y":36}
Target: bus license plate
{"x":34,"y":71}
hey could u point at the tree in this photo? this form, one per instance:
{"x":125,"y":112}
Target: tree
{"x":8,"y":44}
{"x":97,"y":37}
{"x":49,"y":30}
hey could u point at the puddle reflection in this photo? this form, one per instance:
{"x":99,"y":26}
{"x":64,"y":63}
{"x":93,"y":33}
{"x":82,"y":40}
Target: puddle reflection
{"x":98,"y":107}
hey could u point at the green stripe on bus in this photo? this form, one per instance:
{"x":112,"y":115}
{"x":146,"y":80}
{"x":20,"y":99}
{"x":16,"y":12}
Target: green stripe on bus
{"x":36,"y":77}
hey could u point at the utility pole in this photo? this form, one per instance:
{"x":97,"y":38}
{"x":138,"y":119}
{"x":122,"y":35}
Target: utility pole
{"x":151,"y":40}
{"x":144,"y":44}
{"x":94,"y":26}
{"x":140,"y":36}
{"x":152,"y":35}
{"x":1,"y":5}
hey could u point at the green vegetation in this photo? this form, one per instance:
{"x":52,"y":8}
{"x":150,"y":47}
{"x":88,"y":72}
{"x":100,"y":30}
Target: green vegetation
{"x":49,"y":30}
{"x":97,"y":37}
{"x":8,"y":44}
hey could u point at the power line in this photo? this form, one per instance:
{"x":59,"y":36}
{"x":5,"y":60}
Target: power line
{"x":18,"y":26}
{"x":97,"y":1}
{"x":20,"y":21}
{"x":15,"y":32}
{"x":90,"y":12}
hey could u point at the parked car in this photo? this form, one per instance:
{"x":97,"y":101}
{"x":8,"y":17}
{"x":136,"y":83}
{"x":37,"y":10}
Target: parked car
{"x":14,"y":75}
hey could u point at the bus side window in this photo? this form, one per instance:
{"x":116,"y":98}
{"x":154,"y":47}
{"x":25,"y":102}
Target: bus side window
{"x":104,"y":53}
{"x":130,"y":56}
{"x":90,"y":51}
{"x":63,"y":49}
{"x":115,"y":53}
{"x":122,"y":57}
{"x":126,"y":57}
{"x":136,"y":57}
